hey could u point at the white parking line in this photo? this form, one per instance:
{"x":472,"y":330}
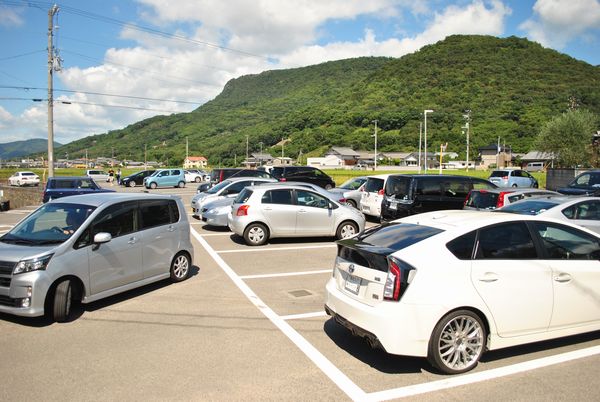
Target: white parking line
{"x":321,"y":271}
{"x":247,"y":250}
{"x":353,"y":391}
{"x":6,"y":226}
{"x":305,"y":315}
{"x":456,"y":381}
{"x":216,"y":234}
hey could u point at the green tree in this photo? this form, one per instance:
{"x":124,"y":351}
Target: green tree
{"x":569,"y":137}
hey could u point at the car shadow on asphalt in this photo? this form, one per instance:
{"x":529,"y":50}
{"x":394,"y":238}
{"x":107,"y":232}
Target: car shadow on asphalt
{"x":78,"y":308}
{"x":290,"y":241}
{"x":376,"y":358}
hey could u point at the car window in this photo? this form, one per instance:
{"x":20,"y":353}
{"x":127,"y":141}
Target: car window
{"x":462,"y":246}
{"x":455,"y":188}
{"x":399,"y":187}
{"x":277,"y":172}
{"x":236,"y":187}
{"x":277,"y":197}
{"x":118,"y":220}
{"x":373,"y":185}
{"x":507,"y":241}
{"x":154,"y":213}
{"x":589,"y":210}
{"x":397,"y":236}
{"x":479,"y":184}
{"x":499,"y":173}
{"x":565,"y":243}
{"x":352,"y":184}
{"x":530,"y":207}
{"x":428,"y":187}
{"x":310,"y":199}
{"x":243,"y":196}
{"x":163,"y":173}
{"x":175,"y":172}
{"x":482,"y":199}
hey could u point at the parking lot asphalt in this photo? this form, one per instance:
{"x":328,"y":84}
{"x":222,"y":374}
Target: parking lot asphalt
{"x":249,"y":325}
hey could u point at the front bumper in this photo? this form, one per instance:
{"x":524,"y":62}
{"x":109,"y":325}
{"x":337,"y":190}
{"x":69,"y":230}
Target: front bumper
{"x":31,"y":286}
{"x":215,"y":219}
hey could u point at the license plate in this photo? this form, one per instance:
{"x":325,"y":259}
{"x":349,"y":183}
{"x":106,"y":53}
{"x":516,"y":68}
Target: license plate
{"x":352,"y":284}
{"x":393,"y":205}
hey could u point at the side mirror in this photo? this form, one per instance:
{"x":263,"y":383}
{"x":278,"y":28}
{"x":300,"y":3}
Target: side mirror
{"x":102,"y":237}
{"x":330,"y":205}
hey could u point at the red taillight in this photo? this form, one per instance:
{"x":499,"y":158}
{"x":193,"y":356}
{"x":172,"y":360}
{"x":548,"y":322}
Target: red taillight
{"x":391,"y":290}
{"x":242,"y":210}
{"x":500,"y":201}
{"x":283,"y":179}
{"x":380,"y":192}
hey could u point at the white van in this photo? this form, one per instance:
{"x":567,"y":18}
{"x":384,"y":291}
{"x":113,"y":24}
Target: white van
{"x":370,"y":200}
{"x":535,"y":167}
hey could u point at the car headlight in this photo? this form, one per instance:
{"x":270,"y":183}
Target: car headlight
{"x":34,"y":264}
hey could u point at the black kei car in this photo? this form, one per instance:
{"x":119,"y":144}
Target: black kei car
{"x":305,"y":174}
{"x":58,"y":187}
{"x":136,"y":179}
{"x":587,"y":183}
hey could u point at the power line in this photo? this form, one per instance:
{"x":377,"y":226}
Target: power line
{"x":136,"y":27}
{"x":92,"y":104}
{"x":22,"y":55}
{"x":102,"y":94}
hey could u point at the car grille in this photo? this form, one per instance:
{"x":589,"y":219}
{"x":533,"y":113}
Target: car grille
{"x":8,"y":301}
{"x":6,"y":267}
{"x":4,"y":282}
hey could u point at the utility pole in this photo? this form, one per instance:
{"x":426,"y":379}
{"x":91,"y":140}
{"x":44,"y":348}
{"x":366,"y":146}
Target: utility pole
{"x":375,"y":155}
{"x":52,"y":58}
{"x":420,"y":140}
{"x":145,"y":157}
{"x":246,"y":151}
{"x":187,"y":149}
{"x":467,"y":117}
{"x":282,"y":143}
{"x":261,"y":157}
{"x":425,"y":114}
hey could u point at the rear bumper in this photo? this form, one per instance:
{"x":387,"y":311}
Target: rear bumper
{"x":396,"y":327}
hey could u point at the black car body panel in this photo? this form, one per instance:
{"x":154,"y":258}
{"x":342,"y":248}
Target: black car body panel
{"x":305,"y":174}
{"x":137,"y":178}
{"x":57,"y":187}
{"x":413,"y":194}
{"x":586,"y":183}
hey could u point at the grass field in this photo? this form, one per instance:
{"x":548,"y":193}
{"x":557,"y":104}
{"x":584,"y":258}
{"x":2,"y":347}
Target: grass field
{"x":339,"y":175}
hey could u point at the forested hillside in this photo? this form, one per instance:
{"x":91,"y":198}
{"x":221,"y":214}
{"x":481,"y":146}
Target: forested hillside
{"x":512,"y":86}
{"x":17,"y":149}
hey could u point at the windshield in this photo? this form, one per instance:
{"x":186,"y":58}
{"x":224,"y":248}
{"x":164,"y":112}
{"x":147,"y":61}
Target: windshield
{"x":353,"y":183}
{"x":398,"y":187}
{"x":529,"y":207}
{"x":218,"y":187}
{"x":50,"y":224}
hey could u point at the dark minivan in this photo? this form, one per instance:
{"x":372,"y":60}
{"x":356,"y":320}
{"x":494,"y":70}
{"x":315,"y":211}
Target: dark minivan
{"x":305,"y":174}
{"x":413,"y":194}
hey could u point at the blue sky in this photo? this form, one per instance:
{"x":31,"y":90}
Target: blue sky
{"x":162,"y":57}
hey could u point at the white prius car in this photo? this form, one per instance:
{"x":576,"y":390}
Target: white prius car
{"x":450,"y":285}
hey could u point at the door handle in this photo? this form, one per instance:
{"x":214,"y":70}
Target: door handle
{"x":170,"y":229}
{"x":302,"y":211}
{"x":132,"y":240}
{"x":562,"y":277}
{"x":488,"y":277}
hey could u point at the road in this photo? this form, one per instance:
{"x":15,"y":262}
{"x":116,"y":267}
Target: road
{"x":249,"y":325}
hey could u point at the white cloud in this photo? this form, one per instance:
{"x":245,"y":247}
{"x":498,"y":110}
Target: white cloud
{"x":557,"y":22}
{"x":10,"y":17}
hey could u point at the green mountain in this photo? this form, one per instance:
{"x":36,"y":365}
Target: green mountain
{"x":512,"y":87}
{"x":17,"y":149}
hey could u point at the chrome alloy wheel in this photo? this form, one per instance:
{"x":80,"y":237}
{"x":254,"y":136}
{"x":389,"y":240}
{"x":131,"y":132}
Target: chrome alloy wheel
{"x":181,"y":266}
{"x":461,"y":343}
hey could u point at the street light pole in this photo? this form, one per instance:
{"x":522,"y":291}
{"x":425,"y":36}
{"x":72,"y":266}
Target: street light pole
{"x":467,"y":117}
{"x":261,"y":157}
{"x":425,"y":114}
{"x":420,"y":141}
{"x":375,"y":155}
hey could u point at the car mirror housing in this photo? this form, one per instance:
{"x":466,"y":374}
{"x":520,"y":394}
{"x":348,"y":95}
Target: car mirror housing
{"x":102,"y":237}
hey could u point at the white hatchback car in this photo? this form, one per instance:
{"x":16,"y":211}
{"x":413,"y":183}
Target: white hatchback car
{"x":24,"y":178}
{"x":450,"y":285}
{"x":275,"y":210}
{"x":372,"y":195}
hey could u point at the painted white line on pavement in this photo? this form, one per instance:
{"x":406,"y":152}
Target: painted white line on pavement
{"x":248,"y":250}
{"x":353,"y":391}
{"x":217,"y":234}
{"x":6,"y":226}
{"x":16,"y":212}
{"x":305,"y":315}
{"x":321,"y":271}
{"x":466,"y":379}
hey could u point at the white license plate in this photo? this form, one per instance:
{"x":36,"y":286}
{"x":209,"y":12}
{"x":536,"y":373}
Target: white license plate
{"x":393,"y":205}
{"x":352,"y":284}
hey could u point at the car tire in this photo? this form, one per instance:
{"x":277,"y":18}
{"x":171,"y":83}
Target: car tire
{"x":346,"y":229}
{"x":256,"y":234}
{"x":197,"y":179}
{"x":18,"y":183}
{"x":153,"y":185}
{"x":181,"y":184}
{"x":61,"y":302}
{"x":180,"y":267}
{"x":352,"y":203}
{"x":131,"y":183}
{"x":457,"y":342}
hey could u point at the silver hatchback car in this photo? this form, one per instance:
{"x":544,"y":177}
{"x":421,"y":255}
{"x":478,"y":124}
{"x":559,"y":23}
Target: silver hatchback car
{"x":88,"y":247}
{"x":268,"y":211}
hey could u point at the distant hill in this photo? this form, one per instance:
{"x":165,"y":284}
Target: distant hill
{"x":512,"y":87}
{"x":17,"y":149}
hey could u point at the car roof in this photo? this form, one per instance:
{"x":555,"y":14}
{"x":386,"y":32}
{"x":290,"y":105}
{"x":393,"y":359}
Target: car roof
{"x":559,"y":199}
{"x":70,"y":177}
{"x":378,"y":176}
{"x":98,"y":199}
{"x":244,"y":178}
{"x":499,"y":190}
{"x":465,"y":221}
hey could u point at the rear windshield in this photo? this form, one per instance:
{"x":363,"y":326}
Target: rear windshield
{"x":243,"y":196}
{"x":277,"y":172}
{"x":27,"y":174}
{"x":373,"y":185}
{"x":70,"y":183}
{"x":398,"y":235}
{"x":399,"y":187}
{"x":499,"y":173}
{"x":529,"y":207}
{"x":482,"y":200}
